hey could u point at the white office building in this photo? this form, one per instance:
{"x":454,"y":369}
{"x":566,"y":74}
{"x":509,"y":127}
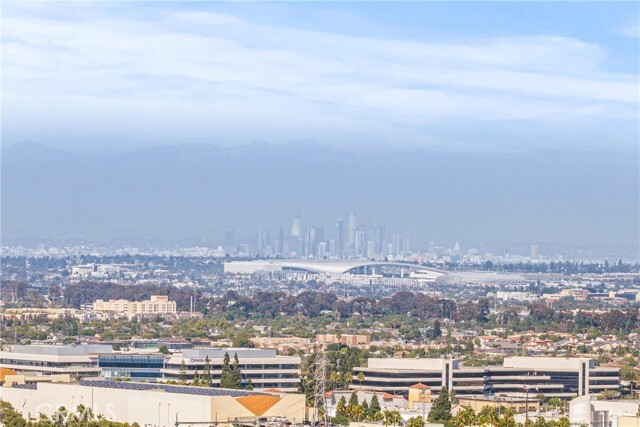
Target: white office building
{"x":517,"y":377}
{"x":263,"y":367}
{"x":81,"y":360}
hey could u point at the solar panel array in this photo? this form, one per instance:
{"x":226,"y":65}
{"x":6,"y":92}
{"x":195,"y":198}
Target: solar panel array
{"x":33,"y":386}
{"x":200,"y":391}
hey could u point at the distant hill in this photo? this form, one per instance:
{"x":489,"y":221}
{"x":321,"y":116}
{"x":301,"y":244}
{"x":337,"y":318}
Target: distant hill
{"x":172,"y":192}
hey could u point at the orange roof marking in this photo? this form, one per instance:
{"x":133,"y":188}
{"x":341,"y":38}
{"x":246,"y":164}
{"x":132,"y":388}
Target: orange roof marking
{"x":258,"y":404}
{"x":6,"y":371}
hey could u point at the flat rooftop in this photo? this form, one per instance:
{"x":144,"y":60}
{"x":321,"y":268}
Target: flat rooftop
{"x":63,"y":350}
{"x":200,"y":391}
{"x":219,"y":352}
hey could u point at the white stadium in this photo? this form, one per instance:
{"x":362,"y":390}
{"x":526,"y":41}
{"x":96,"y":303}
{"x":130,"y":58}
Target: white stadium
{"x":335,"y":268}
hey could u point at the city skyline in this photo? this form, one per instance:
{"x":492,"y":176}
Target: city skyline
{"x":164,"y":195}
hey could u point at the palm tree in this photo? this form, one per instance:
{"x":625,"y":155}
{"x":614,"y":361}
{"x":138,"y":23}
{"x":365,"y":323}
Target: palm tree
{"x":360,"y":378}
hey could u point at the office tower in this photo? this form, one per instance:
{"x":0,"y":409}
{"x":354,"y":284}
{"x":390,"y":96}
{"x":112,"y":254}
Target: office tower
{"x":378,"y":236}
{"x":353,"y":226}
{"x":406,"y":244}
{"x":533,"y":253}
{"x":262,"y":240}
{"x":432,"y":248}
{"x":322,"y":249}
{"x":360,"y":248}
{"x":318,"y":234}
{"x":296,"y":227}
{"x":229,"y":239}
{"x":333,"y":251}
{"x":280,"y":241}
{"x":395,"y":241}
{"x":371,"y":249}
{"x":340,"y":238}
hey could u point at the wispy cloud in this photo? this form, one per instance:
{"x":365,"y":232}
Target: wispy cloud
{"x":218,"y":71}
{"x":630,"y":31}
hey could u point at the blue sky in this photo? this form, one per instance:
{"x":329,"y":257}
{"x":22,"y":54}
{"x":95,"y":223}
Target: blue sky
{"x":473,"y":76}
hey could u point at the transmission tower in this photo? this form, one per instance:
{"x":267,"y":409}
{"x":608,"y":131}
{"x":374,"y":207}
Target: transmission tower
{"x":320,"y":388}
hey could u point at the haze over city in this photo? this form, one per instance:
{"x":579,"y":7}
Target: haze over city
{"x":320,"y":214}
{"x":501,"y":124}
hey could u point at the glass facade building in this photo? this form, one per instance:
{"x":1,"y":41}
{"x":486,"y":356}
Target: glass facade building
{"x":134,"y":366}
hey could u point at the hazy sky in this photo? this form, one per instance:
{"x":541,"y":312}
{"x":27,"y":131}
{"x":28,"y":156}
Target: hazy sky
{"x":110,"y":76}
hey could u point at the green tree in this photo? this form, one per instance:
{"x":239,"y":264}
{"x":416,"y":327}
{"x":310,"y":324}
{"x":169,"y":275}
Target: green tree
{"x":415,"y":422}
{"x":182,"y":375}
{"x":391,"y":418}
{"x":466,"y":416}
{"x":206,"y":374}
{"x":59,"y":418}
{"x":249,"y":384}
{"x":437,"y":330}
{"x":353,"y":400}
{"x":507,"y":419}
{"x":441,"y":409}
{"x":365,"y":407}
{"x":242,"y":339}
{"x":374,"y":408}
{"x":341,"y":409}
{"x":356,"y":412}
{"x":236,"y":375}
{"x":225,"y":376}
{"x":488,"y":415}
{"x":9,"y":416}
{"x":360,"y":378}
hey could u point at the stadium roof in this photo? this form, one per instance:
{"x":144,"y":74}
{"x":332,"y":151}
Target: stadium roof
{"x":322,"y":266}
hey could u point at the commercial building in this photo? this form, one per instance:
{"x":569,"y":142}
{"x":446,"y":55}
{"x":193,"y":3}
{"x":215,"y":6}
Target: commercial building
{"x":588,"y":411}
{"x":517,"y":377}
{"x":385,"y":400}
{"x":263,"y":367}
{"x":157,"y":304}
{"x":516,"y":404}
{"x":397,"y":375}
{"x":348,"y":339}
{"x":155,"y":405}
{"x":132,"y":366}
{"x":81,"y":360}
{"x":551,"y":377}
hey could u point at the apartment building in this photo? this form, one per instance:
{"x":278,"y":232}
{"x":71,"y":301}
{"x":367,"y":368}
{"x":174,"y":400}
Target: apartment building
{"x":517,"y":377}
{"x":157,"y":304}
{"x":263,"y":367}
